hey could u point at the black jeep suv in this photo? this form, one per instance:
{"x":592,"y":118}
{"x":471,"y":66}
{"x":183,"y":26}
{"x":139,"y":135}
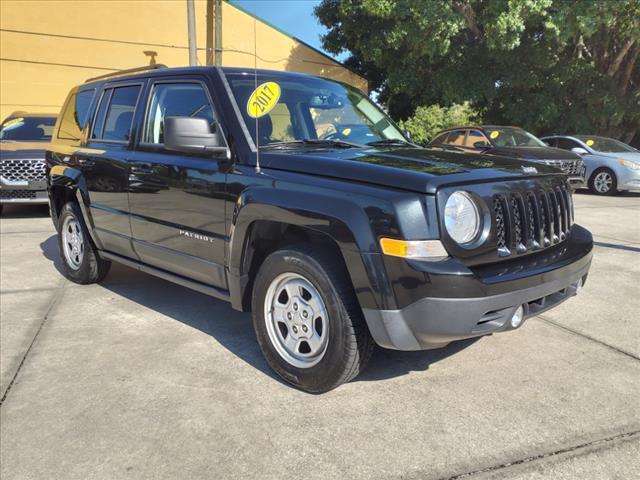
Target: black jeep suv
{"x":298,"y":199}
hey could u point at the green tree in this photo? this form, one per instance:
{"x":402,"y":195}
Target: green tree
{"x":546,"y":65}
{"x":427,"y":121}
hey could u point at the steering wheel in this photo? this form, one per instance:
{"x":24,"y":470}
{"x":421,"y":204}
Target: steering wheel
{"x":333,"y":136}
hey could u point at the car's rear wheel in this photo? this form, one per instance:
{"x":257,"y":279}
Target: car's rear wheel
{"x":82,"y":263}
{"x":307,"y":320}
{"x":603,"y":182}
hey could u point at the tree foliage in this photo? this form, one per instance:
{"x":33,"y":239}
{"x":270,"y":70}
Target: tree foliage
{"x":427,"y":121}
{"x":546,"y":65}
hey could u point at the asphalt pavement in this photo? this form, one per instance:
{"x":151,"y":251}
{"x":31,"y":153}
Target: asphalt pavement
{"x":140,"y":378}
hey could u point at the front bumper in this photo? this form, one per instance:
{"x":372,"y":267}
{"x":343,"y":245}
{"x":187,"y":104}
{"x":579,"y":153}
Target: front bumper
{"x":577,"y":183}
{"x":629,"y":179}
{"x":23,"y":191}
{"x":433,"y":322}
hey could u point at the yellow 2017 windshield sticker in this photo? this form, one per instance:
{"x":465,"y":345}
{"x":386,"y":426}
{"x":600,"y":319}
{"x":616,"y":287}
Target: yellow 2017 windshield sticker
{"x":590,"y":143}
{"x":12,"y":122}
{"x":493,"y":135}
{"x":263,"y":99}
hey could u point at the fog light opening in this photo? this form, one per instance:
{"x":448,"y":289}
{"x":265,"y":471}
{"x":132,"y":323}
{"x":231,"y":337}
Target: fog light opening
{"x":578,"y":286}
{"x":516,"y":320}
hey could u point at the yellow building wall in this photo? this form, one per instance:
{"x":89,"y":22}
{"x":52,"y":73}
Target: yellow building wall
{"x":49,"y":46}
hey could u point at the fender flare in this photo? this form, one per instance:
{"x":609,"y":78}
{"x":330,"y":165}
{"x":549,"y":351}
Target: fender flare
{"x":74,"y":182}
{"x":343,"y":221}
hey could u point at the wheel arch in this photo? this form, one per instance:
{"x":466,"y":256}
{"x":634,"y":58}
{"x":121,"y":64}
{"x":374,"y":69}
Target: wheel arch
{"x":266,"y":220}
{"x":68,"y":184}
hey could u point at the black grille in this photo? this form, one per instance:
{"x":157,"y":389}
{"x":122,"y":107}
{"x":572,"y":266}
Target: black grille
{"x":17,"y":194}
{"x":530,"y":221}
{"x":20,"y":170}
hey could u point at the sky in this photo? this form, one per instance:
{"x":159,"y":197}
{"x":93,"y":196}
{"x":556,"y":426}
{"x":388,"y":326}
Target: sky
{"x":295,"y":17}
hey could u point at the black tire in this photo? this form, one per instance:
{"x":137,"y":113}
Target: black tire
{"x":90,"y":268}
{"x":613,"y":190}
{"x":349,"y":343}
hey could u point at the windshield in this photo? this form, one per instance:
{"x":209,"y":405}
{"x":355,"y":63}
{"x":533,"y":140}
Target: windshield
{"x":607,"y":145}
{"x":292,"y":108}
{"x":513,"y":137}
{"x":34,"y":129}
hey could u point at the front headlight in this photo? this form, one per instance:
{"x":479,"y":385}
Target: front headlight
{"x":629,"y":164}
{"x":461,"y":217}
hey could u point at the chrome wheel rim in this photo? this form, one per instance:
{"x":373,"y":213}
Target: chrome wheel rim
{"x":603,"y":182}
{"x":296,"y":320}
{"x":72,"y":242}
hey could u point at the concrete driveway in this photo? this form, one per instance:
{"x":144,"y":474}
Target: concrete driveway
{"x":140,"y":378}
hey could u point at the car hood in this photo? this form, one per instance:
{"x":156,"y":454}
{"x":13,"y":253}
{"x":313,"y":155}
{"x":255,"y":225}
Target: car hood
{"x":22,"y":149}
{"x":418,"y":169}
{"x":626,"y":155}
{"x":534,"y":153}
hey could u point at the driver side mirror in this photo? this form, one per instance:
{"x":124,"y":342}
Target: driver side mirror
{"x":191,"y":135}
{"x":579,"y":150}
{"x":480,"y":144}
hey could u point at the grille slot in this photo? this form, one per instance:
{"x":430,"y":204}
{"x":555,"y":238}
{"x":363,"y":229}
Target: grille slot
{"x":533,"y":220}
{"x":17,"y":194}
{"x":21,"y":170}
{"x":501,"y":227}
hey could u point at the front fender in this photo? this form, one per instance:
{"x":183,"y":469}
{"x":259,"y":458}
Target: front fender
{"x":344,"y":221}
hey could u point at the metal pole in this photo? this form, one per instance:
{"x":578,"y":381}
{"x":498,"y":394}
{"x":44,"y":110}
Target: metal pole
{"x":191,"y":24}
{"x":218,"y":33}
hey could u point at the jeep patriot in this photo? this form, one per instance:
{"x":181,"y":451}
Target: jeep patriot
{"x":298,"y":199}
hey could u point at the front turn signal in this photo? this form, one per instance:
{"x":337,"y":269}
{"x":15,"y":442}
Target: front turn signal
{"x":427,"y":249}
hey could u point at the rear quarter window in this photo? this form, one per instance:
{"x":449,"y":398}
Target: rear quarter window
{"x":75,"y":115}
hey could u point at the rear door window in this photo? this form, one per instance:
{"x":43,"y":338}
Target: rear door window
{"x":119,"y":103}
{"x":476,"y":137}
{"x":74,"y":117}
{"x":456,"y":138}
{"x":566,"y":144}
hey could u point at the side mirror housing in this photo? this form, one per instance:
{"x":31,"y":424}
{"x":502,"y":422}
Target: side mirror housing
{"x":407,"y":134}
{"x":579,"y":150}
{"x":191,"y":135}
{"x":480,"y":144}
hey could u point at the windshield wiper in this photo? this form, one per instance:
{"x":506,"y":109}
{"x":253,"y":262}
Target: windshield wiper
{"x":313,"y":143}
{"x":391,"y":141}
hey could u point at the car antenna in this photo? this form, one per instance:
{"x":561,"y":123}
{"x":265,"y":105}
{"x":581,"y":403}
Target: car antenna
{"x":255,"y":87}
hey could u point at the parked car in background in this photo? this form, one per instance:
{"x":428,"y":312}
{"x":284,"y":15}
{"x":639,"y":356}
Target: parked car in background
{"x":611,"y":165}
{"x":23,"y":139}
{"x":512,"y":142}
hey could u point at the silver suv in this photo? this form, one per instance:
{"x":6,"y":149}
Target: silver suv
{"x":23,"y":140}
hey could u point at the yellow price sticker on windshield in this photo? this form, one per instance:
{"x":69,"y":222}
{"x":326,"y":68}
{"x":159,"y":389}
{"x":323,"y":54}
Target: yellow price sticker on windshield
{"x":263,"y":99}
{"x":493,"y":135}
{"x":13,"y":121}
{"x":589,"y":143}
{"x":346,"y":132}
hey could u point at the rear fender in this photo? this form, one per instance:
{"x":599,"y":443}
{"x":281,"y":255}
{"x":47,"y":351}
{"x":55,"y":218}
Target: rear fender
{"x":70,"y":181}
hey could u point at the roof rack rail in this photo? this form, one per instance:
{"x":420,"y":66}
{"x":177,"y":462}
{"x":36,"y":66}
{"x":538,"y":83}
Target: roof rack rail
{"x":127,"y":71}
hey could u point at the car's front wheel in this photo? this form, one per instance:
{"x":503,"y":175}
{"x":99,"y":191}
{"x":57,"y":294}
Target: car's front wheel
{"x":81,"y":261}
{"x":307,"y":319}
{"x":603,"y":182}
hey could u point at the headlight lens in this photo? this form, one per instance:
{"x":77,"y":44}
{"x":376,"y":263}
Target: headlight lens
{"x":461,"y":217}
{"x":629,"y":164}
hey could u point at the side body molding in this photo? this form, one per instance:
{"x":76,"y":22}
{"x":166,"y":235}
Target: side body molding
{"x":343,"y":221}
